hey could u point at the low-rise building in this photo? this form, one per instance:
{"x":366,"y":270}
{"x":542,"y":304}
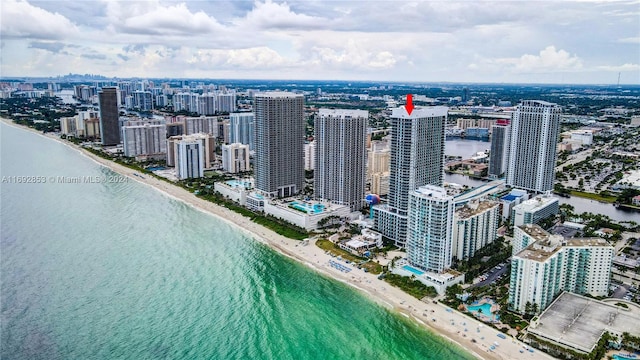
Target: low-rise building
{"x":577,"y":323}
{"x":361,"y":244}
{"x":235,"y":190}
{"x":305,"y":214}
{"x":534,"y":210}
{"x":439,"y":280}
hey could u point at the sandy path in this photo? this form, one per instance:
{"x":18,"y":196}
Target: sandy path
{"x":450,"y":325}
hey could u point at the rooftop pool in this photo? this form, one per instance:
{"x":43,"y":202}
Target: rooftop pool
{"x":239,"y":183}
{"x":308,"y":208}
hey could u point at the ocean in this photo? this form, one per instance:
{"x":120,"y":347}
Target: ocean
{"x":116,"y":270}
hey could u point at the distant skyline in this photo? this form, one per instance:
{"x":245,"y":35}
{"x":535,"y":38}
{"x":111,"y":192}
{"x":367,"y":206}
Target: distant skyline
{"x":559,"y":42}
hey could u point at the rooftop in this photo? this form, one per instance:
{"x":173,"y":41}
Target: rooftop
{"x":420,"y":112}
{"x":539,"y":251}
{"x":475,"y":208}
{"x":578,"y":322}
{"x":536,"y":202}
{"x":592,"y":241}
{"x":278,"y":94}
{"x":535,"y":231}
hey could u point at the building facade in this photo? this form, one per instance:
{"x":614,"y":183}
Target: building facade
{"x":532,"y":146}
{"x":499,"y":150}
{"x":429,"y":241}
{"x":534,"y":210}
{"x":235,"y":158}
{"x":241,"y":129}
{"x":475,"y":225}
{"x":416,"y":159}
{"x":340,"y":153}
{"x":189,"y":158}
{"x":279,"y":140}
{"x":549,"y":266}
{"x":109,"y":127}
{"x":145,"y":140}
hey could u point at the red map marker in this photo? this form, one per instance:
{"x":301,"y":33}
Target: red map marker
{"x":409,"y":105}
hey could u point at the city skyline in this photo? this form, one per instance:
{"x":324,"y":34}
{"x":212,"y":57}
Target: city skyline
{"x":512,"y":42}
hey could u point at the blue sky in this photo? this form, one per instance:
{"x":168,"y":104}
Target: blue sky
{"x":460,"y":41}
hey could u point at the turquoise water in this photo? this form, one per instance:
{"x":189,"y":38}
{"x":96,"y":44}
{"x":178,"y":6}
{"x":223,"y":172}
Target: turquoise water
{"x":119,"y":271}
{"x":308,"y":208}
{"x":413,"y":270}
{"x":485,"y":309}
{"x":622,"y":357}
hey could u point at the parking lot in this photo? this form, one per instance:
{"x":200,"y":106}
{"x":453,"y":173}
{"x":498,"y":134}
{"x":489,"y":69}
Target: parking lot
{"x":494,"y":274}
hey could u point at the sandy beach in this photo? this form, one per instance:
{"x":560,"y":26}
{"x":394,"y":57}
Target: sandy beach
{"x":448,"y":323}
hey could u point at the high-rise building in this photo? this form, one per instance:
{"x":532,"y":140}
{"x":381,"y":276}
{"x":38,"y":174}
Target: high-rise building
{"x":235,"y":158}
{"x":417,"y":159}
{"x":378,"y":167}
{"x":429,"y":242}
{"x":310,"y":156}
{"x":146,"y":140}
{"x":553,"y":264}
{"x":201,"y":125}
{"x":242,"y":128}
{"x":142,"y":100}
{"x":475,"y":225}
{"x":207,"y":104}
{"x":109,"y":127}
{"x":525,"y":235}
{"x":340,"y":137}
{"x":499,"y":150}
{"x":226,"y":102}
{"x":189,"y":158}
{"x":279,"y":138}
{"x":208,"y":144}
{"x":532,"y":146}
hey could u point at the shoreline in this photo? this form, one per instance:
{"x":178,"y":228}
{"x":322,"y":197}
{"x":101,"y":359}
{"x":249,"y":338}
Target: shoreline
{"x":452,"y":327}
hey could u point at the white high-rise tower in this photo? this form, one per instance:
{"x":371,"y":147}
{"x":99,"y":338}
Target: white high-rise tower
{"x":417,"y":159}
{"x":532,"y":146}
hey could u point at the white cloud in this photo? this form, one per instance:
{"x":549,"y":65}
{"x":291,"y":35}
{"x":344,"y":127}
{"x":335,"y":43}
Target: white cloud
{"x":620,"y":68}
{"x":548,"y":60}
{"x":151,"y":18}
{"x":269,"y":15}
{"x":23,"y":20}
{"x":630,"y":40}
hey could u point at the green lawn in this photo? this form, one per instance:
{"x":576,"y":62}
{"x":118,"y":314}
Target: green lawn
{"x":592,"y":196}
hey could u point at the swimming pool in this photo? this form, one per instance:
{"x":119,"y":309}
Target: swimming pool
{"x":485,"y":309}
{"x":239,"y":183}
{"x":308,"y":208}
{"x":413,"y":270}
{"x":622,"y":357}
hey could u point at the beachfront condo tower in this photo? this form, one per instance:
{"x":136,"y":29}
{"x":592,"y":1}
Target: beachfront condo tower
{"x":417,"y":159}
{"x":279,"y":142}
{"x":109,"y":127}
{"x":532,"y":147}
{"x":429,"y":240}
{"x":340,"y":154}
